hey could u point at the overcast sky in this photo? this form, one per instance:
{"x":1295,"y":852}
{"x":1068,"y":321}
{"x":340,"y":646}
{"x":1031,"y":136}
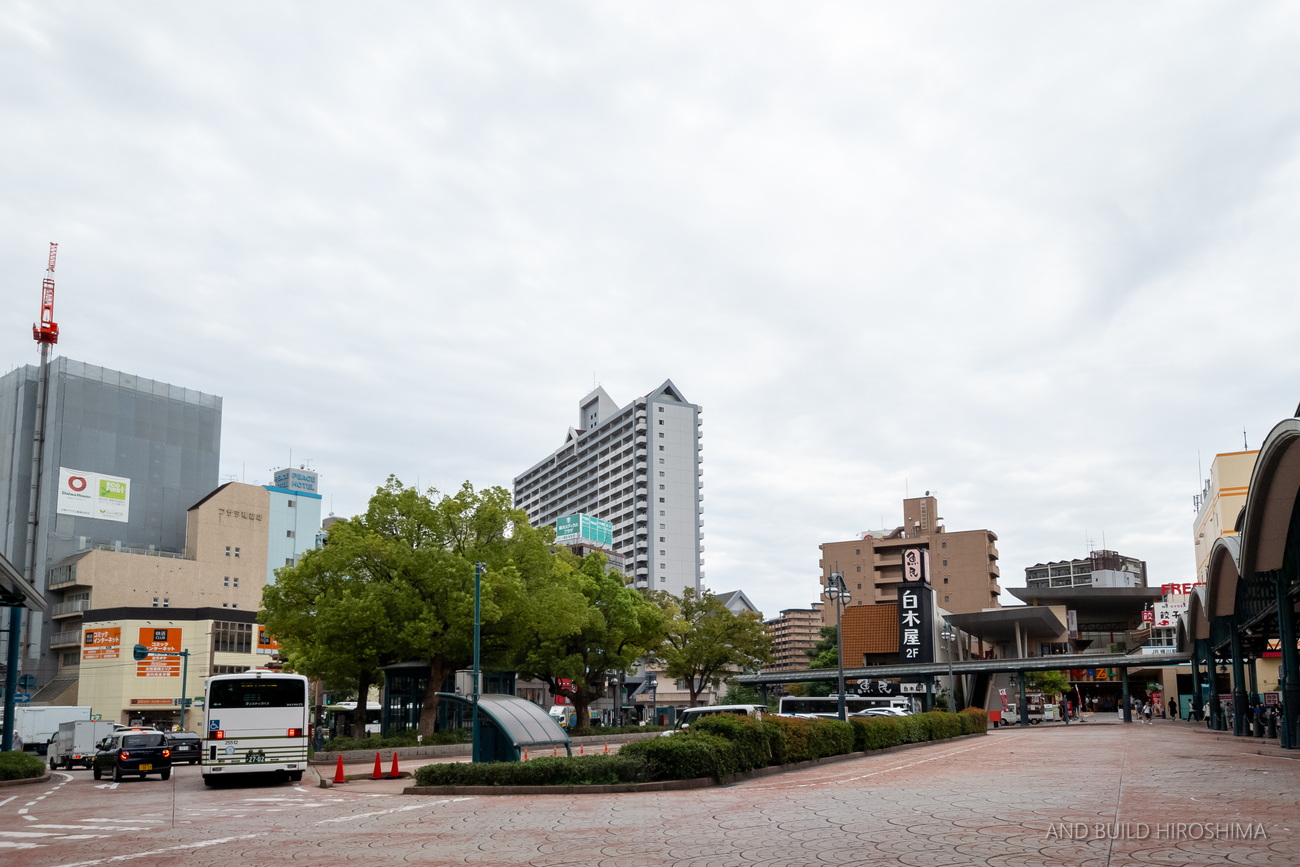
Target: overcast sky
{"x":1037,"y":258}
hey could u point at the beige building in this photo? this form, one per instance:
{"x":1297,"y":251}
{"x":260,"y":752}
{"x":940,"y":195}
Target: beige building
{"x":204,"y":601}
{"x":963,"y":564}
{"x":1220,"y":502}
{"x":793,"y":635}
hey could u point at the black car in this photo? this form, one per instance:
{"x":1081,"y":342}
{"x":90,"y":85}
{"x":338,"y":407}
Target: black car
{"x":185,"y":747}
{"x":133,"y":751}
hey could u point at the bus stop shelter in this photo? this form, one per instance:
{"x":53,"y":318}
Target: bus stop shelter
{"x":508,"y":725}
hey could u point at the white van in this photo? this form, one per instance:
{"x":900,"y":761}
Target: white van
{"x":689,"y":714}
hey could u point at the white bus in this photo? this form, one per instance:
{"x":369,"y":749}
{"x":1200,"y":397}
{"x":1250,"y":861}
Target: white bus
{"x":798,"y":704}
{"x":256,"y":724}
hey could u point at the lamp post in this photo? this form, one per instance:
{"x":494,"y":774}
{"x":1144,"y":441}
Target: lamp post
{"x":839,"y":591}
{"x":476,"y":741}
{"x":947,"y":635}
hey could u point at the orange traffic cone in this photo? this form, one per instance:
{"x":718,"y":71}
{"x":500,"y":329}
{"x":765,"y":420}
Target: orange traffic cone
{"x":379,"y":770}
{"x":606,"y":747}
{"x":582,"y":749}
{"x":394,"y":773}
{"x":338,"y":772}
{"x":525,"y":754}
{"x":555,"y":752}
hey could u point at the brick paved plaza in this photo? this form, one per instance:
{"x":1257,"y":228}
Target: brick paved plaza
{"x":1099,"y":793}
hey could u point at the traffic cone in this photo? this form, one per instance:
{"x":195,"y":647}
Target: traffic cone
{"x":338,"y":772}
{"x":606,"y":747}
{"x":394,"y":773}
{"x":379,"y":769}
{"x":555,"y":752}
{"x":525,"y":754}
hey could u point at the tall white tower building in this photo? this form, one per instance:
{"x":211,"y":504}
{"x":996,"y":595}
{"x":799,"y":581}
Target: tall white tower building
{"x":637,"y":467}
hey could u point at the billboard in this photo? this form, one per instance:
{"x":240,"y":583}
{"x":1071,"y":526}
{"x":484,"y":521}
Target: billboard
{"x":915,"y":622}
{"x":265,"y":643}
{"x":101,"y":643}
{"x":93,"y":495}
{"x":572,"y":529}
{"x":169,"y":640}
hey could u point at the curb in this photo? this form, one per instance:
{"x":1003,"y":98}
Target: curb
{"x":671,"y":785}
{"x":26,"y":781}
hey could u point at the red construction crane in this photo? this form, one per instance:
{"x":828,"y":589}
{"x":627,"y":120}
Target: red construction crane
{"x":47,"y":331}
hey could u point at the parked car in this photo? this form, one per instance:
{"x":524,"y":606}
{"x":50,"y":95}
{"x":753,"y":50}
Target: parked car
{"x":185,"y":747}
{"x":881,"y":711}
{"x":693,"y":713}
{"x":133,"y":751}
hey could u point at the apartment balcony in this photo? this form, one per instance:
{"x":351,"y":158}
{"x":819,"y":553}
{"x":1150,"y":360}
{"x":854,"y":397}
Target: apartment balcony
{"x":69,"y":609}
{"x":70,"y":638}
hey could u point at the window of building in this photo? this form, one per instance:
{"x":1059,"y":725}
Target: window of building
{"x":944,"y":544}
{"x":230,"y":637}
{"x":661,"y":448}
{"x":71,"y":657}
{"x":857,"y":551}
{"x":662,"y":487}
{"x":945,"y":581}
{"x":663,"y":526}
{"x":663,"y":538}
{"x":661,"y":409}
{"x":292,"y":504}
{"x":226,"y":582}
{"x":859,"y":568}
{"x":663,"y":580}
{"x":236,"y":552}
{"x":661,"y":421}
{"x":947,"y":598}
{"x":155,"y":602}
{"x":236,"y":581}
{"x":288,"y":561}
{"x":229,"y":669}
{"x":288,"y":534}
{"x":661,"y":499}
{"x":859,"y":586}
{"x":663,"y":553}
{"x":227,"y":550}
{"x":945,"y":562}
{"x":661,"y":472}
{"x":662,"y":513}
{"x":661,"y":434}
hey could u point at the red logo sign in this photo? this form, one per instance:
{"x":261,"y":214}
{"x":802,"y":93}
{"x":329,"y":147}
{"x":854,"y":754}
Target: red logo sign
{"x":77,"y":483}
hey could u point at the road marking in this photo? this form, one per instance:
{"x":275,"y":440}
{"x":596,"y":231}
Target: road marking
{"x":107,"y":786}
{"x":85,"y":827}
{"x":200,"y":845}
{"x":394,"y":810}
{"x":26,"y":834}
{"x":5,"y":844}
{"x":7,"y":800}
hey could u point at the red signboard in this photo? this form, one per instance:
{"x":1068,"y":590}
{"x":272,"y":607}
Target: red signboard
{"x":159,"y":666}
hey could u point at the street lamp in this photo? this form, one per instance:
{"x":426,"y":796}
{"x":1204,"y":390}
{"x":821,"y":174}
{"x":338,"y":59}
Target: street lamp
{"x":839,"y":591}
{"x":476,"y":741}
{"x":948,"y":635}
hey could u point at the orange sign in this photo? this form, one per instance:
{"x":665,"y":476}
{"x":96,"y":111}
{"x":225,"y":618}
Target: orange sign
{"x":265,"y":643}
{"x":159,"y":666}
{"x":101,"y":643}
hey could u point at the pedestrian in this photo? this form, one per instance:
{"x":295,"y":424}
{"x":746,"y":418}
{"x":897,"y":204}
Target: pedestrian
{"x":1065,"y":714}
{"x":1146,"y":713}
{"x":1173,"y":707}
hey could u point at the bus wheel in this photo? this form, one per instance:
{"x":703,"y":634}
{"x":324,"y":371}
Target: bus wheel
{"x":295,"y":776}
{"x":208,"y":781}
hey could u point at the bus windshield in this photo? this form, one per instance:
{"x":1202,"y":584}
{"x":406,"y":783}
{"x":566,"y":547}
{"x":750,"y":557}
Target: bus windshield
{"x":257,"y":692}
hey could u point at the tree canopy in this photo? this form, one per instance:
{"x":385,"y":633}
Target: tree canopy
{"x":704,"y":641}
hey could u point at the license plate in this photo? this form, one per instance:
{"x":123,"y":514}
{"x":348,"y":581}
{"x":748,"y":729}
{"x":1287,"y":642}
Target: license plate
{"x":144,"y":767}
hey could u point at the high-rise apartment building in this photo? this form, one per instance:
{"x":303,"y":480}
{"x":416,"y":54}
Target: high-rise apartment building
{"x":963,"y":565}
{"x":793,"y":635}
{"x":1098,"y":569}
{"x":121,"y":459}
{"x":638,"y":467}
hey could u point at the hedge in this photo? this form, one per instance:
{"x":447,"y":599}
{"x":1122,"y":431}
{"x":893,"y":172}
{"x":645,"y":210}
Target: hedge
{"x":15,"y":765}
{"x":715,"y":746}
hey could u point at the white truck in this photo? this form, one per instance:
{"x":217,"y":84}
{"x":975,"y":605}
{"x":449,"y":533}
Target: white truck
{"x":35,"y":725}
{"x":74,"y":743}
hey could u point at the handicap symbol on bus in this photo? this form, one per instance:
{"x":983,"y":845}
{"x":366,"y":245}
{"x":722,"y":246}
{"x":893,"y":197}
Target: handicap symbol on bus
{"x":214,"y":725}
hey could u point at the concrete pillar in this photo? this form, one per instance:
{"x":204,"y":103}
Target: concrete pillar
{"x":1240,"y":700}
{"x":1289,"y":735}
{"x":1197,"y":648}
{"x":1128,"y":706}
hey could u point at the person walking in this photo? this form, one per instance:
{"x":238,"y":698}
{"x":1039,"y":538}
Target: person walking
{"x":1146,"y":713}
{"x":1173,"y":707}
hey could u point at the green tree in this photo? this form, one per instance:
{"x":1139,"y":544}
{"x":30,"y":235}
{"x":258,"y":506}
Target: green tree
{"x":704,"y":641}
{"x":1049,"y":683}
{"x":586,"y":625}
{"x":824,"y":654}
{"x":331,"y":614}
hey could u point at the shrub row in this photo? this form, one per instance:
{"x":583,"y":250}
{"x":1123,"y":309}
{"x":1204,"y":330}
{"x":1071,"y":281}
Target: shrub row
{"x":401,"y":739}
{"x":715,"y":746}
{"x":17,"y":765}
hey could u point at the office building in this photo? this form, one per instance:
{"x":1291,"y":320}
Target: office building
{"x":637,"y":467}
{"x":204,"y":600}
{"x":121,"y":459}
{"x":1220,"y":502}
{"x":962,"y":565}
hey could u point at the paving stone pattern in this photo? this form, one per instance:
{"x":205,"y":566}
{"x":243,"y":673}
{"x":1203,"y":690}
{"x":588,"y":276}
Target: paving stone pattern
{"x":1092,"y":794}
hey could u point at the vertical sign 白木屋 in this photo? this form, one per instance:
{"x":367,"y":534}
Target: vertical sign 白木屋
{"x":915,"y":621}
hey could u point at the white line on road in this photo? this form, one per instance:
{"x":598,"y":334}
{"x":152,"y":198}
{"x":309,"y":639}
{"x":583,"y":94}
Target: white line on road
{"x":151,"y":853}
{"x":394,"y":810}
{"x":7,"y":800}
